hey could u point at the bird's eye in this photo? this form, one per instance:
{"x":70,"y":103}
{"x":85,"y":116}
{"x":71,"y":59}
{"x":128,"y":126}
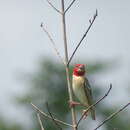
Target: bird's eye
{"x":82,"y":67}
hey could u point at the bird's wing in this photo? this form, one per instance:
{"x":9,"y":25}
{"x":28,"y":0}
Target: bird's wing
{"x":88,"y":91}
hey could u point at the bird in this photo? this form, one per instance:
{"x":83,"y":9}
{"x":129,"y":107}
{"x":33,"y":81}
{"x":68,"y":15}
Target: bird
{"x":82,"y":89}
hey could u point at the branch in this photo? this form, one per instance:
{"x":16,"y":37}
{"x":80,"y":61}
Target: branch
{"x":53,"y":43}
{"x":53,"y":6}
{"x":40,"y":122}
{"x":73,"y":114}
{"x":85,"y":34}
{"x":49,"y":117}
{"x":95,"y":104}
{"x":52,"y":117}
{"x":112,"y":115}
{"x":70,"y":6}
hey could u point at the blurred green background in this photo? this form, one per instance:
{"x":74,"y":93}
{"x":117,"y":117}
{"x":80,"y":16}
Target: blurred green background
{"x":48,"y":84}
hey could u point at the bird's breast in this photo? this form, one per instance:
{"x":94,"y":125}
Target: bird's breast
{"x":78,"y":89}
{"x":78,"y":81}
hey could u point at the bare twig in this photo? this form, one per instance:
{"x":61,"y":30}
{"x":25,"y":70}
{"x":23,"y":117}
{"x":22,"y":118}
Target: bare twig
{"x":53,"y":6}
{"x":52,"y":117}
{"x":53,"y":43}
{"x":91,"y":23}
{"x":40,"y":122}
{"x":94,"y":104}
{"x":49,"y":117}
{"x":70,"y":5}
{"x":67,"y":66}
{"x":112,"y":115}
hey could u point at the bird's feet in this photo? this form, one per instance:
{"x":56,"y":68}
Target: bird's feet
{"x":84,"y":114}
{"x":73,"y":104}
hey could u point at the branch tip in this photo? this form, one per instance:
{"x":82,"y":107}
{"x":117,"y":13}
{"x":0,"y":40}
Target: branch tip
{"x":84,"y":35}
{"x":96,"y":12}
{"x":41,"y":24}
{"x":112,"y":115}
{"x":90,"y":21}
{"x":53,"y":43}
{"x":109,"y":89}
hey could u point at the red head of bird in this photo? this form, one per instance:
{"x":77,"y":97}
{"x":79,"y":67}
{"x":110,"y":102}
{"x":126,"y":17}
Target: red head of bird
{"x":79,"y":70}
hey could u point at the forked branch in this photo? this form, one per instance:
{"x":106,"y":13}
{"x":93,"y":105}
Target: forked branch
{"x":48,"y":108}
{"x":53,"y":6}
{"x":95,"y":104}
{"x":49,"y":117}
{"x":70,"y":6}
{"x":111,"y":116}
{"x":85,"y":34}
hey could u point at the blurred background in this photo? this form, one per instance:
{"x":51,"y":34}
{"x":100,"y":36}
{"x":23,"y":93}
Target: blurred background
{"x":28,"y":61}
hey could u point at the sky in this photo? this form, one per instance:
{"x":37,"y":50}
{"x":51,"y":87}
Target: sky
{"x":23,"y":42}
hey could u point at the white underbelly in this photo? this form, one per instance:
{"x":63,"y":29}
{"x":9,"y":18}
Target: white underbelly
{"x":79,"y":92}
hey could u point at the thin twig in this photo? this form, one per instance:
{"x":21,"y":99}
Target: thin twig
{"x":112,"y":115}
{"x":95,"y":104}
{"x":40,"y":122}
{"x":53,"y":6}
{"x":74,"y":122}
{"x":53,"y":43}
{"x":85,"y":34}
{"x":70,"y":5}
{"x":52,"y":117}
{"x":49,"y":117}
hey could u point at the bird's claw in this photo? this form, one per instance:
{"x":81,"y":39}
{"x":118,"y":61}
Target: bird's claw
{"x":73,"y":103}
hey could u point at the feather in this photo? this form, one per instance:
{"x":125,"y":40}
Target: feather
{"x":88,"y":92}
{"x":82,"y":90}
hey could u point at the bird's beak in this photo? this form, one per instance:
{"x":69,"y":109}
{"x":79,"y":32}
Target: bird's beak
{"x":81,"y":69}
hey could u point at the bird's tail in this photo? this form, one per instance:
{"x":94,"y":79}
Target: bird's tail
{"x":93,"y":115}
